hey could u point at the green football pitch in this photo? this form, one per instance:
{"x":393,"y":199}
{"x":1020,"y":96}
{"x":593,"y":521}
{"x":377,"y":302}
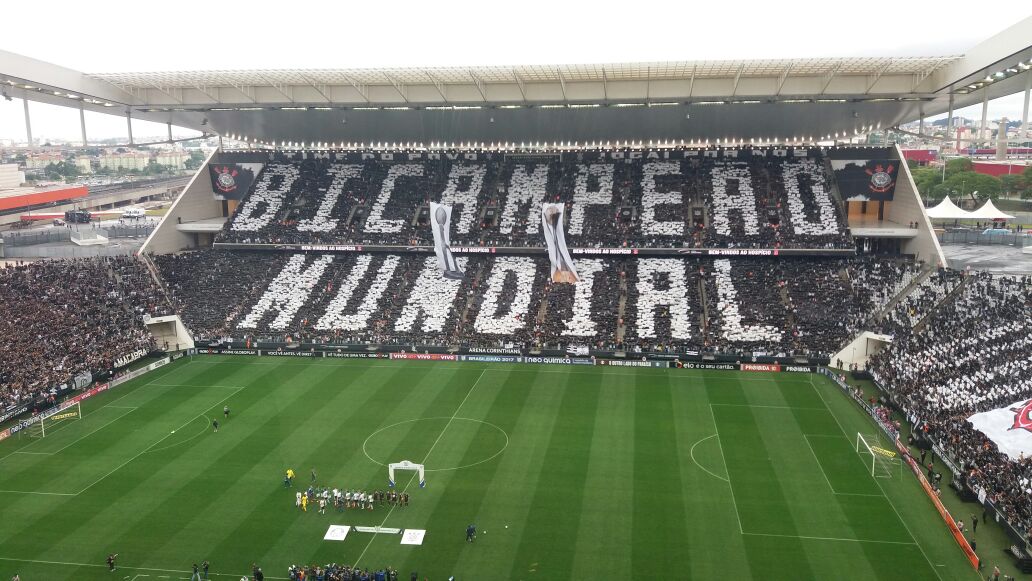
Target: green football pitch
{"x":567,"y":472}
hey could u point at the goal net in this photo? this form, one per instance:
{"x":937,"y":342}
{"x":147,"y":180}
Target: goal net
{"x":51,"y":419}
{"x":882,"y":462}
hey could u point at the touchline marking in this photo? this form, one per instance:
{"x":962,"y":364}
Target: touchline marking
{"x":195,"y":385}
{"x":734,"y":502}
{"x":96,"y":565}
{"x":876,"y":481}
{"x":773,"y":407}
{"x":706,"y":470}
{"x":831,"y":539}
{"x":40,"y":493}
{"x":411,"y":478}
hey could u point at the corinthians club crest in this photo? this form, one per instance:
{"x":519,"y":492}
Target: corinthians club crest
{"x":226,"y":181}
{"x":881,"y":178}
{"x":1022,"y":417}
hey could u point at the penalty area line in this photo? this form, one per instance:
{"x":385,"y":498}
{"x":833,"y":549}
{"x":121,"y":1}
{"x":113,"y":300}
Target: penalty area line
{"x":836,"y":539}
{"x":99,"y":565}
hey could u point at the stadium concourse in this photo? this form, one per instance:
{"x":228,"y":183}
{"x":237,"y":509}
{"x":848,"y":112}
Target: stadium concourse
{"x":681,"y":260}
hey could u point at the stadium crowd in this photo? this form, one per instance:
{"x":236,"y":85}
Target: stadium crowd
{"x":335,"y":572}
{"x":778,"y":307}
{"x":755,"y":203}
{"x":63,"y":318}
{"x":970,"y":356}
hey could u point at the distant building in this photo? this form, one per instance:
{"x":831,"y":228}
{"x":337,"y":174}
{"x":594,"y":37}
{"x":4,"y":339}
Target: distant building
{"x":130,"y":160}
{"x":176,"y":159}
{"x":84,"y":164}
{"x":42,"y":160}
{"x":10,"y":177}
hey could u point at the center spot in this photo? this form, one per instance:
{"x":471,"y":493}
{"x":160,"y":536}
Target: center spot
{"x":466,"y":442}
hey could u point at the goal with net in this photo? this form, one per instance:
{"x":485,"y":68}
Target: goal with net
{"x":52,"y":418}
{"x":883,"y":462}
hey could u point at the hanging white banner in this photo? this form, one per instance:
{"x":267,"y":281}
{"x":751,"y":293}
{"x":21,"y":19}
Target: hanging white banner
{"x":552,"y":226}
{"x":440,"y":223}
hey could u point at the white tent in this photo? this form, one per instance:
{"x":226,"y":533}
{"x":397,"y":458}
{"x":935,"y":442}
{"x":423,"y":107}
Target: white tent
{"x":989,"y":212}
{"x":947,"y":210}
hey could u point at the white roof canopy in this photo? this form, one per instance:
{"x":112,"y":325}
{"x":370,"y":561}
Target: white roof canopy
{"x":989,"y":212}
{"x":947,"y":210}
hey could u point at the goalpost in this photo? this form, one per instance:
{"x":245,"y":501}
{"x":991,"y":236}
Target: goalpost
{"x":882,"y":461}
{"x":405,"y":465}
{"x":50,"y":419}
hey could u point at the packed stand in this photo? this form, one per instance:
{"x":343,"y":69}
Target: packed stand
{"x":876,"y":282}
{"x":970,"y":357}
{"x":63,"y":318}
{"x":698,"y":202}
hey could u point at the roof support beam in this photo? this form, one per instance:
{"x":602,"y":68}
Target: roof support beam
{"x":830,"y":76}
{"x":479,"y":84}
{"x":437,"y":85}
{"x":285,"y":91}
{"x":247,"y":90}
{"x":562,"y":83}
{"x":174,"y":94}
{"x":605,"y":85}
{"x":691,"y":83}
{"x":782,"y":78}
{"x":519,"y":83}
{"x":207,"y":94}
{"x":877,"y":77}
{"x":363,"y":90}
{"x":397,"y":87}
{"x":321,"y":89}
{"x":738,"y":76}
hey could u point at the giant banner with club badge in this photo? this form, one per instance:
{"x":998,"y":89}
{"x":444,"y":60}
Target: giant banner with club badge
{"x":558,"y":254}
{"x":231,"y":181}
{"x":866,"y":180}
{"x":1010,"y":428}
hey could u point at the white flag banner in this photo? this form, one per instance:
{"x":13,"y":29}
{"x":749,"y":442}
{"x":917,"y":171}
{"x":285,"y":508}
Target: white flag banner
{"x":1009,"y":427}
{"x":440,"y":222}
{"x":552,"y":226}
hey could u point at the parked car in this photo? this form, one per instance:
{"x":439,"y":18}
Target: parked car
{"x":996,"y":232}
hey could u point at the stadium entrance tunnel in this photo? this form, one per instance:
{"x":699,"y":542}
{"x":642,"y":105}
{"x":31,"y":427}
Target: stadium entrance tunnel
{"x":444,"y":442}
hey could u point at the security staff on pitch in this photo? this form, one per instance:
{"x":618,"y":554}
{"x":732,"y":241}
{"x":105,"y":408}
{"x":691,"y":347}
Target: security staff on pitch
{"x":471,"y":533}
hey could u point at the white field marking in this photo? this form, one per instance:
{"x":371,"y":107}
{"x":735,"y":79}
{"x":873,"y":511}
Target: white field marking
{"x":831,"y":539}
{"x":411,"y":478}
{"x":529,"y":367}
{"x":806,"y":438}
{"x":734,"y":502}
{"x":94,"y":431}
{"x":477,"y":463}
{"x":120,"y":466}
{"x":87,"y":415}
{"x":97,"y":565}
{"x":191,"y":438}
{"x":773,"y":407}
{"x":35,"y":453}
{"x":40,"y":493}
{"x":196,"y":385}
{"x":706,"y":470}
{"x":876,"y":481}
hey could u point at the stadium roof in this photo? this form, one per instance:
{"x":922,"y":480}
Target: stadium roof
{"x":775,"y":99}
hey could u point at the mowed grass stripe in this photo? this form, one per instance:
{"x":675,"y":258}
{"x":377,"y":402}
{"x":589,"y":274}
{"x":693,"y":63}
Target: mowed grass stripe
{"x":246,"y":475}
{"x":711,"y":519}
{"x":758,"y":496}
{"x":552,"y":526}
{"x":370,"y":395}
{"x":157,"y":493}
{"x":606,"y":510}
{"x":510,"y":492}
{"x":456,"y":498}
{"x":656,"y":489}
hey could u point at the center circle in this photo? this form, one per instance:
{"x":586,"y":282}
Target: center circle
{"x":369,"y":446}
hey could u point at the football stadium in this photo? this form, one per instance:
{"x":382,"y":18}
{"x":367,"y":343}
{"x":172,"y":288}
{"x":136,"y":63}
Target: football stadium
{"x":639,"y":320}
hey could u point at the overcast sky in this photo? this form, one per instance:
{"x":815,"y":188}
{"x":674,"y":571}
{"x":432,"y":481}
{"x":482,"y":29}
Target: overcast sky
{"x":119,"y":35}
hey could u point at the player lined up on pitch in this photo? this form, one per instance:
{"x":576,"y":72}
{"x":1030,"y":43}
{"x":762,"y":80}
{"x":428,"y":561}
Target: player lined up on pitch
{"x":342,"y":499}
